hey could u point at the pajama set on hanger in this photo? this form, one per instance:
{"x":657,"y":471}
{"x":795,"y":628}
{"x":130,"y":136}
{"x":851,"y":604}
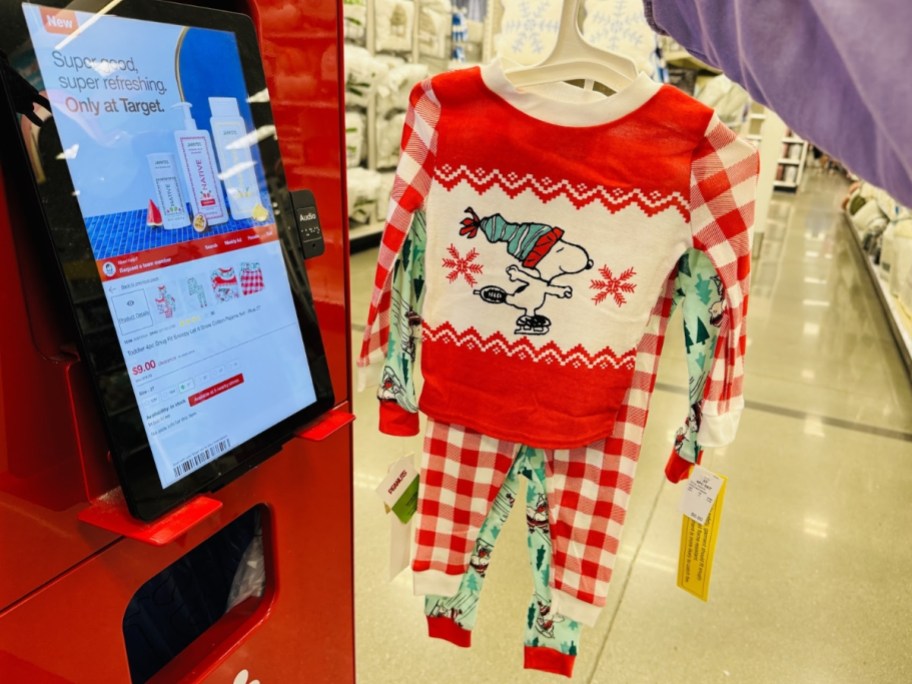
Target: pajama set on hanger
{"x":552,"y":233}
{"x":551,"y":641}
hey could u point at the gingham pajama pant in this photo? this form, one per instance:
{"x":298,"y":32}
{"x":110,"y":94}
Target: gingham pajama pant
{"x":587,"y":489}
{"x":551,"y":642}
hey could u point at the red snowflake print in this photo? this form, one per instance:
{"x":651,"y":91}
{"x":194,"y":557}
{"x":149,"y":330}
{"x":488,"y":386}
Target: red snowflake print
{"x":462,"y":266}
{"x":616,"y":287}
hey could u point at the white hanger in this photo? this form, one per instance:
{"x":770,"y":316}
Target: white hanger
{"x":573,"y":58}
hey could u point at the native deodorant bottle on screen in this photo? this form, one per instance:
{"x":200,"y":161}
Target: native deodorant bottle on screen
{"x":232,"y":143}
{"x":197,"y":161}
{"x":171,"y":204}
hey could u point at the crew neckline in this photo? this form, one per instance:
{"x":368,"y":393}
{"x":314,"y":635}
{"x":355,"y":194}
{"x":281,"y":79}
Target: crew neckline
{"x":558,"y":104}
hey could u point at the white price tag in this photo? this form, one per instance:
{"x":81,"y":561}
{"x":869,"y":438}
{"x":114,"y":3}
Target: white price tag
{"x":702,"y":489}
{"x":400,"y":546}
{"x":399,"y":489}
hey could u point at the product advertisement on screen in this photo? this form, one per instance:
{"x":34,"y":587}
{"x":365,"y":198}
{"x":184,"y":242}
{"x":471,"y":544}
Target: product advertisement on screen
{"x":156,"y":128}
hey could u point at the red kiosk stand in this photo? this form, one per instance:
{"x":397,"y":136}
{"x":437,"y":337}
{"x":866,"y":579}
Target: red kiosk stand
{"x":70,"y":559}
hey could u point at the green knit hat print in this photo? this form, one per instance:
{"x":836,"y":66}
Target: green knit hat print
{"x":528,"y":242}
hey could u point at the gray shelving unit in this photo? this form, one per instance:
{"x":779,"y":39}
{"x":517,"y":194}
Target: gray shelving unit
{"x":895,"y":317}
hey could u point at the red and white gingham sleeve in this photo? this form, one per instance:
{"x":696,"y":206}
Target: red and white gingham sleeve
{"x":410,"y":188}
{"x":724,"y":171}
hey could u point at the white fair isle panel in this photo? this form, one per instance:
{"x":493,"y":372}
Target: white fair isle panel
{"x":595,"y":287}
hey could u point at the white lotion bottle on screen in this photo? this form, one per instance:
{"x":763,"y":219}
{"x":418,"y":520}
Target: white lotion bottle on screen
{"x":232,"y":143}
{"x":197,"y":161}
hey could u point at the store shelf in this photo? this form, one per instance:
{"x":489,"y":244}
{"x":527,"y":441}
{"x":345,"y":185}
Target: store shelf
{"x":790,"y":169}
{"x":900,"y":323}
{"x":365,"y":237}
{"x":685,"y":59}
{"x":376,"y":107}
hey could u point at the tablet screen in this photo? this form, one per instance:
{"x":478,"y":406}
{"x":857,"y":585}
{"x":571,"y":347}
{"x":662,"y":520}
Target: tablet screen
{"x":155,"y":125}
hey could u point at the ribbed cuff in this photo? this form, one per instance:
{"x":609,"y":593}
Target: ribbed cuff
{"x":446,"y":628}
{"x":548,"y":660}
{"x":426,"y":582}
{"x":719,"y":430}
{"x":395,"y":420}
{"x":677,"y":468}
{"x":569,"y":606}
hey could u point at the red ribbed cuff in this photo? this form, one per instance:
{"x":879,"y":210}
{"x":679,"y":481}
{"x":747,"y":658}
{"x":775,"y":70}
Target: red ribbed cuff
{"x":446,"y":628}
{"x":395,"y":420}
{"x":677,"y":468}
{"x":548,"y":660}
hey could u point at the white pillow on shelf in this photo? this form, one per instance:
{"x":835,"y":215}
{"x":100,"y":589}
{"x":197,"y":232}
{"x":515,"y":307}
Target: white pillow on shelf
{"x":354,"y":16}
{"x":439,"y":5}
{"x":394,"y":93}
{"x":363,"y":74}
{"x":389,"y":137}
{"x":393,"y":25}
{"x":864,"y":217}
{"x":902,"y":255}
{"x":433,"y":32}
{"x":905,"y":295}
{"x":355,"y":127}
{"x":363,"y":194}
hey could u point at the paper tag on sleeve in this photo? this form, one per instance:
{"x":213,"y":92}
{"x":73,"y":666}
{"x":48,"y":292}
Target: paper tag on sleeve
{"x":399,"y":489}
{"x":703,"y":488}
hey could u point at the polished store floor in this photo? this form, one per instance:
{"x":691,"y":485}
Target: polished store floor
{"x":811,"y":582}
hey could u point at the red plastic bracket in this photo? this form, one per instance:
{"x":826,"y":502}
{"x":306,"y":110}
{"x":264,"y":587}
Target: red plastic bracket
{"x":110,"y":513}
{"x":325,"y":425}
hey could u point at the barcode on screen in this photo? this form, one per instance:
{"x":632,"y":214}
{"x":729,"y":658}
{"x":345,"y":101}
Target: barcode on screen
{"x":202,"y":457}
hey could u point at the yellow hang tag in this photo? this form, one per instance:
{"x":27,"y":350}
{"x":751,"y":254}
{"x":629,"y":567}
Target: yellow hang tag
{"x":698,"y":545}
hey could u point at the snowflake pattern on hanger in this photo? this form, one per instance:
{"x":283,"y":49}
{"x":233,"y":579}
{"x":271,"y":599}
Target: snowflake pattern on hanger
{"x":620,"y":25}
{"x":617,"y":24}
{"x":528,"y":28}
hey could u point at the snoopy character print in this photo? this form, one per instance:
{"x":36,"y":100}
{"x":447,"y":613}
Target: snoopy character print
{"x":544,"y":260}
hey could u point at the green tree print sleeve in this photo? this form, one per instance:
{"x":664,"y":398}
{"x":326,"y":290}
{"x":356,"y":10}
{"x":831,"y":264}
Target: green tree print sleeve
{"x":699,"y":293}
{"x":398,"y":399}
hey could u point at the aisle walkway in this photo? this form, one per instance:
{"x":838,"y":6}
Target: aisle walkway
{"x":811,"y":582}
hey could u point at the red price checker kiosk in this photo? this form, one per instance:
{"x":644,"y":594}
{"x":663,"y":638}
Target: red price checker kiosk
{"x":175,"y":438}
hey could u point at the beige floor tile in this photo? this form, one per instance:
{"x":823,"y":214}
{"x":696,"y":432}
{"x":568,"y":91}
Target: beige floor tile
{"x":810,"y":579}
